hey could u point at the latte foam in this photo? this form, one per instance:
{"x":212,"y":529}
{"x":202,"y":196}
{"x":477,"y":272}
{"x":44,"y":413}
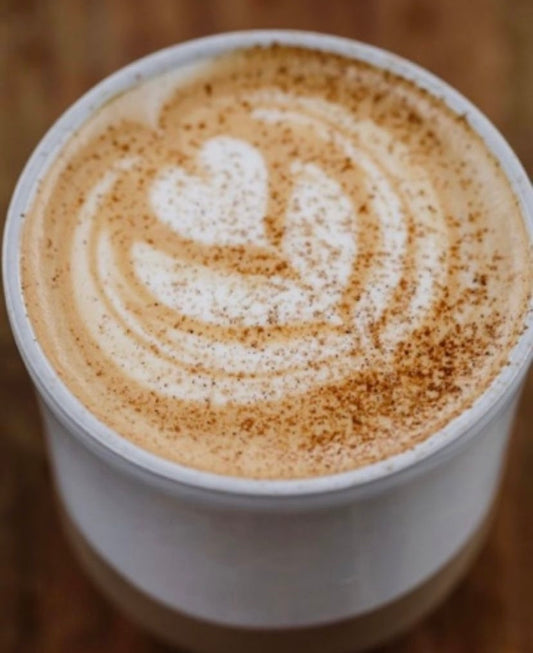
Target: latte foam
{"x":277,"y":263}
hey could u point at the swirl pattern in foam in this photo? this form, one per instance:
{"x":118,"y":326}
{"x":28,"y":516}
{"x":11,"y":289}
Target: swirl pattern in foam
{"x":278,"y":263}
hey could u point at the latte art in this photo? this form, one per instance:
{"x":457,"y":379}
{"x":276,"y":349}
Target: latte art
{"x":225,"y":205}
{"x":278,"y":263}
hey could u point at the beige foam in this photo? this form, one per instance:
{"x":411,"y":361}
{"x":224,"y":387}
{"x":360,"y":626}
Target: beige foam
{"x":280,"y":263}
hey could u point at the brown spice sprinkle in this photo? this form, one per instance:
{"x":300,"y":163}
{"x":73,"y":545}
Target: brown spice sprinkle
{"x":447,"y":256}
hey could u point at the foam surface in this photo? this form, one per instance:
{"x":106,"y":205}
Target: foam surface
{"x":279,"y":263}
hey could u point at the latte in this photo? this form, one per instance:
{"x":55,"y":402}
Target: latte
{"x":277,"y":263}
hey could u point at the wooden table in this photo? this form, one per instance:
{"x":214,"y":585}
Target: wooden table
{"x":53,"y":50}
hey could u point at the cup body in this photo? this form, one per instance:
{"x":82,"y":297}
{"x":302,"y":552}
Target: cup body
{"x":270,"y":562}
{"x":271,"y":556}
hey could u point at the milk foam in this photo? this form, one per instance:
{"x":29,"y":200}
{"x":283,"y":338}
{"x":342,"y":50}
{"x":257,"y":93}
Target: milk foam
{"x":322,"y":270}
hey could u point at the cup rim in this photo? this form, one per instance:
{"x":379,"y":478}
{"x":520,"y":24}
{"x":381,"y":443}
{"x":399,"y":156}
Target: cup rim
{"x":94,"y":432}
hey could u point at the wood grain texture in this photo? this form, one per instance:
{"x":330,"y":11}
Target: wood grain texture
{"x":51,"y":51}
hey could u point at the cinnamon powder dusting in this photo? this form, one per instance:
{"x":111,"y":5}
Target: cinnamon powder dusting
{"x":279,"y":263}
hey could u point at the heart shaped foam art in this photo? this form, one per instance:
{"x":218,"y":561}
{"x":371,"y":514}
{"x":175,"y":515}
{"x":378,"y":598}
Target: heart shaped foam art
{"x":226,"y":207}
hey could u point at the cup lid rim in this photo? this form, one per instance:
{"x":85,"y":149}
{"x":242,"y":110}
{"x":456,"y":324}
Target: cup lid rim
{"x":87,"y":427}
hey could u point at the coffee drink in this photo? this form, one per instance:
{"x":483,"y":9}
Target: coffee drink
{"x":277,"y":263}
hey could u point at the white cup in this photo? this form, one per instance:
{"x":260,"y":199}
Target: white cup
{"x":333,"y":563}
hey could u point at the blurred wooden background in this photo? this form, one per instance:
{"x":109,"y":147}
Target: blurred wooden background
{"x":51,"y":51}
